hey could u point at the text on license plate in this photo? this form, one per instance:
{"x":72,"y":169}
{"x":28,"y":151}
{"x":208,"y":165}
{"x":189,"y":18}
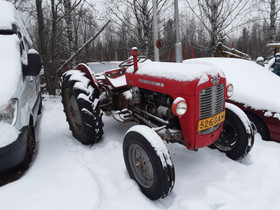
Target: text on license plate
{"x":211,"y":121}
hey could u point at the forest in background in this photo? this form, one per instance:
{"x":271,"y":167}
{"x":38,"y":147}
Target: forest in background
{"x":58,"y":28}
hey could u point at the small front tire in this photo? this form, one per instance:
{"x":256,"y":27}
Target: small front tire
{"x":148,"y":162}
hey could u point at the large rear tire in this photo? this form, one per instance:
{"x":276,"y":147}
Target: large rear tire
{"x":148,"y":162}
{"x":237,"y":136}
{"x":81,"y":106}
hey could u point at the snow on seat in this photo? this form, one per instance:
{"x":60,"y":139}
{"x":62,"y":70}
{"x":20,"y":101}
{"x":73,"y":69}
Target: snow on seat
{"x":118,"y":81}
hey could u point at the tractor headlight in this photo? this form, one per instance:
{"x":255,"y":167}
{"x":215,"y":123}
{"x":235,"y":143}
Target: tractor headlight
{"x":8,"y":112}
{"x":229,"y":90}
{"x":179,"y":106}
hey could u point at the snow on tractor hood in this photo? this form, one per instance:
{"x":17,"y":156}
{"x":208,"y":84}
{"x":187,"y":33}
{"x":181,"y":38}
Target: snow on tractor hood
{"x":253,"y":85}
{"x":10,"y":67}
{"x":175,"y":71}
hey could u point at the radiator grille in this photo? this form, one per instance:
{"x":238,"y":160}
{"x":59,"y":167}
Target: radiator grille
{"x":211,"y":103}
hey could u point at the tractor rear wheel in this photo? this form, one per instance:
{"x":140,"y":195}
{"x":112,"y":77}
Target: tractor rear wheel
{"x":81,"y":106}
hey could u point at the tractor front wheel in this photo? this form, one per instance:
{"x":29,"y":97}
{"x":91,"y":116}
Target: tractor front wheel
{"x":148,"y":162}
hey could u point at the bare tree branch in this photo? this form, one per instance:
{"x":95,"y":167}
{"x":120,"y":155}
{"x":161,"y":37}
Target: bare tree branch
{"x":81,"y":48}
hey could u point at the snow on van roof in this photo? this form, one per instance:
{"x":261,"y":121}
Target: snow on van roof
{"x":176,"y":71}
{"x":8,"y":15}
{"x":10,"y":68}
{"x":253,"y":85}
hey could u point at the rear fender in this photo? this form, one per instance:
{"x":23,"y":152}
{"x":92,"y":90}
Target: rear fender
{"x":84,"y":68}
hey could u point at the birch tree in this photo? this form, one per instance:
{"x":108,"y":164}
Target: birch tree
{"x":68,"y":17}
{"x":269,"y":10}
{"x":140,"y":25}
{"x":273,"y":15}
{"x":69,"y":24}
{"x":219,"y":18}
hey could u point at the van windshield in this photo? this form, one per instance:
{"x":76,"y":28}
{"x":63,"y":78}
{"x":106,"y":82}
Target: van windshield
{"x":10,"y":66}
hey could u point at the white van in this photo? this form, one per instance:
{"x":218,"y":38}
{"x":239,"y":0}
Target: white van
{"x":20,"y":98}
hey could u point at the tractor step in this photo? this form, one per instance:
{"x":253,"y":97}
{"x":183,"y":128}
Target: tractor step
{"x":123,"y":116}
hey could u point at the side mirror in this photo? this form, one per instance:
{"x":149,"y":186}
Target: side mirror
{"x":34,"y":64}
{"x":260,"y":60}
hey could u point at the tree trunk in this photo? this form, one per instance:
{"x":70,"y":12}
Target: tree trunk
{"x":69,"y":27}
{"x":272,"y":30}
{"x":43,"y":46}
{"x":214,"y":26}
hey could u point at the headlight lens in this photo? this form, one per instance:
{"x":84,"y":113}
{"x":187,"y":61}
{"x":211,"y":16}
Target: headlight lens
{"x":229,"y":90}
{"x":179,"y":106}
{"x":8,"y":112}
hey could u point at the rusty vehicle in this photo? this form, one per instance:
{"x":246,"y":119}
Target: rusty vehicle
{"x":174,"y":102}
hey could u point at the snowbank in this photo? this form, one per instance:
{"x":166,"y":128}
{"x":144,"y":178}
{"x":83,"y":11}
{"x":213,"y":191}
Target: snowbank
{"x":254,"y":85}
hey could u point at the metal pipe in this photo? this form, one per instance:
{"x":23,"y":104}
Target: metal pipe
{"x":155,"y":24}
{"x":152,"y":116}
{"x":148,"y":123}
{"x":178,"y":45}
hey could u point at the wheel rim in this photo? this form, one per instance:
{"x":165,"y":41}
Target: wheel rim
{"x":73,"y":111}
{"x":228,"y":138}
{"x":141,"y":165}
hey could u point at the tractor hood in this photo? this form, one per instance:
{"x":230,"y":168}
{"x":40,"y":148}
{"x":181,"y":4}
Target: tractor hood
{"x":175,"y":71}
{"x":10,"y":67}
{"x":176,"y":79}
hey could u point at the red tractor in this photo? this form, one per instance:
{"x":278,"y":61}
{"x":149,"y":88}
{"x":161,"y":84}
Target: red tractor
{"x":174,"y":102}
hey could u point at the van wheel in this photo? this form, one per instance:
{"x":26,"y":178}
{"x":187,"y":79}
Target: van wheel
{"x":31,"y":143}
{"x":148,"y":162}
{"x":237,"y":138}
{"x":40,"y":105}
{"x":81,"y":107}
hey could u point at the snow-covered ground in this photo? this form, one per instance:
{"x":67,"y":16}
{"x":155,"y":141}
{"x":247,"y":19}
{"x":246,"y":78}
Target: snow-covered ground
{"x":68,"y":175}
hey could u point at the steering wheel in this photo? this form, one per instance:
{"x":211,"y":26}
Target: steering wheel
{"x":129,"y":62}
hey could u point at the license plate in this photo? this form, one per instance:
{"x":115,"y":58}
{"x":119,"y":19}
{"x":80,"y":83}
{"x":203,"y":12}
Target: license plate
{"x":211,"y":121}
